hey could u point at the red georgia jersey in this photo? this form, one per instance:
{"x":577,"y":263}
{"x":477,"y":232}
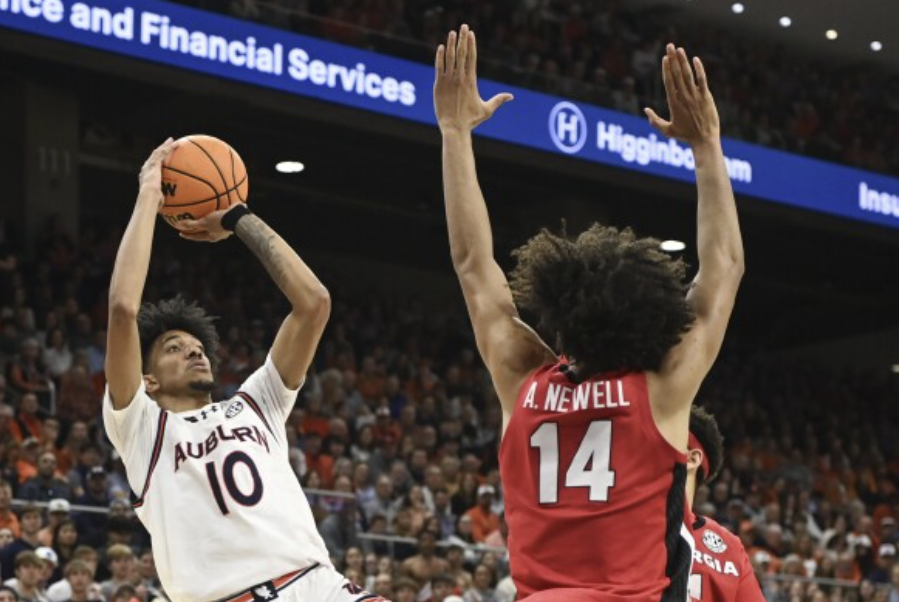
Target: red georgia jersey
{"x":721,"y":569}
{"x":594,"y":494}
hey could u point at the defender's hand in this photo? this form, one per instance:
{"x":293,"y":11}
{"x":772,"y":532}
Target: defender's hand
{"x":206,"y":229}
{"x":457,"y":103}
{"x":150,"y":177}
{"x":694,"y":117}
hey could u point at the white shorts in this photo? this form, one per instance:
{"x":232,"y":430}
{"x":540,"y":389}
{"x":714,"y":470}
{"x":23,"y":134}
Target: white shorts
{"x":319,"y":584}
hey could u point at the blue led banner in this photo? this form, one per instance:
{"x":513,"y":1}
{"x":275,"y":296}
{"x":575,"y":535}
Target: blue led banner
{"x":255,"y":54}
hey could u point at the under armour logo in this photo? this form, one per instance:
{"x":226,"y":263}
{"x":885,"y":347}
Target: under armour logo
{"x":264,"y":592}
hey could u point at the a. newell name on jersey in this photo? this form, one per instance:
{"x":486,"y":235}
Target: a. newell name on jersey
{"x":590,"y":395}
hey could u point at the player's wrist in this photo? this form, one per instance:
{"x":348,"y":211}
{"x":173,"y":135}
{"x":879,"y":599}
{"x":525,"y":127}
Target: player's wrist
{"x":450,"y":130}
{"x":234,"y":215}
{"x":706,"y":144}
{"x":150,"y":195}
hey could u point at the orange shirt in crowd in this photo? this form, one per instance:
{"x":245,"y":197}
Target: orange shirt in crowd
{"x":316,"y":424}
{"x":64,"y":460}
{"x":26,"y":470}
{"x":32,"y":427}
{"x":11,"y":522}
{"x":482,"y":523}
{"x":324,"y":466}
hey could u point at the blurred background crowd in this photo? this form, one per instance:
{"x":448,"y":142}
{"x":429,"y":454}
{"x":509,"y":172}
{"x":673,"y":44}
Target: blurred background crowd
{"x":395,"y":439}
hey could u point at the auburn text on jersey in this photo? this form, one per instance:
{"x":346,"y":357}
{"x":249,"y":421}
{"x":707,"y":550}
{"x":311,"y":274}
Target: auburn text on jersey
{"x":219,"y":435}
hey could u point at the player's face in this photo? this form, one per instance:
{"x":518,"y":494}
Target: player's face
{"x":179,"y":365}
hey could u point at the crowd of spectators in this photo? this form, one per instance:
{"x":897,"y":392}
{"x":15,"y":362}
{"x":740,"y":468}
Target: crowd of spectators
{"x":395,"y":434}
{"x":607,"y":53}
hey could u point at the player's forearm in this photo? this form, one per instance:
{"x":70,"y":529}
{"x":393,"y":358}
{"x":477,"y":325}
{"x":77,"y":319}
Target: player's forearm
{"x":133,"y":258}
{"x":719,"y":243}
{"x":471,"y":241}
{"x":301,"y":287}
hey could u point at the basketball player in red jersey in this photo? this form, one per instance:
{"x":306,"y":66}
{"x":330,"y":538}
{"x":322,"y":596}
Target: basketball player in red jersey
{"x":721,"y":569}
{"x":594,"y":450}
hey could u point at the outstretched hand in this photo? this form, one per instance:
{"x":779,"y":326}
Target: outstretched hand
{"x":150,"y":177}
{"x":206,"y":229}
{"x":457,"y":103}
{"x":694,"y":117}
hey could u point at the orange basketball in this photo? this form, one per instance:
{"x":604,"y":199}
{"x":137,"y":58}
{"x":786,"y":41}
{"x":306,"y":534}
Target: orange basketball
{"x":204,"y":174}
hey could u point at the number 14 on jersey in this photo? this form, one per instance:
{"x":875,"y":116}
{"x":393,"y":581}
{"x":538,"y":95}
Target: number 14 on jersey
{"x":589,"y":467}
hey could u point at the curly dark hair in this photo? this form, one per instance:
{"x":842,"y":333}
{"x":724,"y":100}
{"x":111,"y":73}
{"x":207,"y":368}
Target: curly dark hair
{"x":705,"y":428}
{"x":611,"y":300}
{"x":155,"y":319}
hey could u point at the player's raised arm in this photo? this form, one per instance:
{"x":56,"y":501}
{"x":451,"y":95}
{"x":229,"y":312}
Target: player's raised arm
{"x":694,"y":119}
{"x":509,"y":347}
{"x":298,"y":337}
{"x":123,"y":355}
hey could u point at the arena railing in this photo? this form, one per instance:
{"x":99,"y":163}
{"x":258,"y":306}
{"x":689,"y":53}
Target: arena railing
{"x":316,"y":495}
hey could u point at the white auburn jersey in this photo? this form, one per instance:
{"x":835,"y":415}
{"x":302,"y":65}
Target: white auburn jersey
{"x":216,"y":490}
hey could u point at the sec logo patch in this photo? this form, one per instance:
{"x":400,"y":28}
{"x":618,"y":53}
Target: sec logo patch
{"x":234,"y":409}
{"x":714,"y":542}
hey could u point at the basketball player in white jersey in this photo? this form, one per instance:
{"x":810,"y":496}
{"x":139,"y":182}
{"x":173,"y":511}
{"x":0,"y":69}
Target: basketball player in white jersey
{"x":228,"y":518}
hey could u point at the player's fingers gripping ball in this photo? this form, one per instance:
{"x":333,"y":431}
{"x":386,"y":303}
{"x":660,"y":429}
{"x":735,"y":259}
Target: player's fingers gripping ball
{"x":204,"y":174}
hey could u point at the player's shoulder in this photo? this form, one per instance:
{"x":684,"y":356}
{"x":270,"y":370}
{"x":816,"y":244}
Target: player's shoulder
{"x":259,"y":379}
{"x":712,"y":535}
{"x":139,"y":402}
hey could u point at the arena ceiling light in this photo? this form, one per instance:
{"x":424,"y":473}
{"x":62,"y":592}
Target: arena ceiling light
{"x":738,"y":8}
{"x":672,"y":246}
{"x":290,"y":167}
{"x":876,"y":46}
{"x":832,"y":34}
{"x":785,"y":21}
{"x":895,"y":368}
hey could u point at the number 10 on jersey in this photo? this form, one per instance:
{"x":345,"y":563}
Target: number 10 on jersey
{"x":589,"y":467}
{"x":228,"y":466}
